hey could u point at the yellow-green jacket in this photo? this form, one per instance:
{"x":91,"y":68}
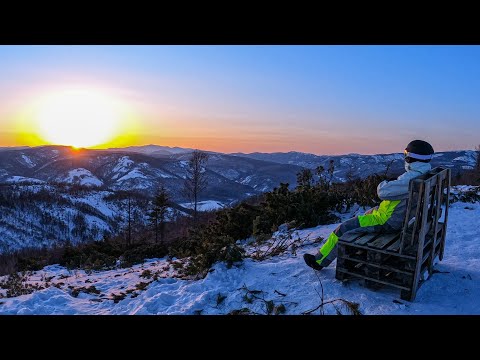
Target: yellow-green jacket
{"x":394,"y":195}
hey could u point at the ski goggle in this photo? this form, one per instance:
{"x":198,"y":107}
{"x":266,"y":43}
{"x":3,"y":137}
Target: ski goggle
{"x":412,"y":155}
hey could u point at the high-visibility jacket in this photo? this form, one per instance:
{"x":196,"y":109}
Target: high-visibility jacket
{"x":394,"y":195}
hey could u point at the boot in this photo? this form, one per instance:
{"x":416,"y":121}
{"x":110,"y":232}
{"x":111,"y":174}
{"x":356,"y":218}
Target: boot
{"x":310,"y":261}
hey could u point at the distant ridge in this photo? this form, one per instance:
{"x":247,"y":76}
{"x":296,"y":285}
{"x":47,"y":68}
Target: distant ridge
{"x":153,"y":149}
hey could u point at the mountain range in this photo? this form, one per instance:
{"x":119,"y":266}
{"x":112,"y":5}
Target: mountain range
{"x":57,"y":193}
{"x":230,"y":176}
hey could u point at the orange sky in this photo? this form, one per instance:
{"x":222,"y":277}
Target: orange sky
{"x":316,"y":99}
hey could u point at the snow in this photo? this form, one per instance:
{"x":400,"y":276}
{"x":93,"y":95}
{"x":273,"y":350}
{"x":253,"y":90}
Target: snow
{"x":162,"y":174}
{"x":470,"y":157}
{"x":28,"y":161}
{"x":96,"y":200}
{"x":178,"y":150}
{"x":462,"y":188}
{"x":207,"y":205}
{"x":132,"y":175}
{"x":231,"y":174}
{"x":247,"y":180}
{"x":346,"y":161}
{"x":391,"y":157}
{"x":23,"y":227}
{"x":284,"y":279}
{"x":83,"y":177}
{"x":22,"y":179}
{"x":123,"y":164}
{"x":387,"y":157}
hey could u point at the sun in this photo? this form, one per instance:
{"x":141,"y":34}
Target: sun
{"x":78,"y":118}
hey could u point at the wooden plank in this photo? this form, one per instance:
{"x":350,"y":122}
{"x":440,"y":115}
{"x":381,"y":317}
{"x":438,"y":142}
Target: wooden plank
{"x":384,"y":240}
{"x":340,"y":256}
{"x":366,"y":238}
{"x":421,"y":239}
{"x":447,"y":202}
{"x":365,"y":247}
{"x":432,"y":181}
{"x":433,"y":232}
{"x":428,"y":226}
{"x":407,"y":215}
{"x":442,"y":175}
{"x":350,"y":237}
{"x":372,"y":279}
{"x":395,"y":246}
{"x":372,"y":271}
{"x":438,"y":202}
{"x":417,"y":217}
{"x":427,"y":255}
{"x":380,"y":266}
{"x":418,"y":212}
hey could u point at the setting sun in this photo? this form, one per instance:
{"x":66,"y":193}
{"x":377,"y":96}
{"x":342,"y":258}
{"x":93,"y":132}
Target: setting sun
{"x":78,"y":117}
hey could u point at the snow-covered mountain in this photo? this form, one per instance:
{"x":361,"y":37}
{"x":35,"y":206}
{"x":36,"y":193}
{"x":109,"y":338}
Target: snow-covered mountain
{"x":281,"y":284}
{"x":356,"y":165}
{"x":230,"y":178}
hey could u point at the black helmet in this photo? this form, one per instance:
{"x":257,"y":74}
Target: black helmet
{"x":418,"y":150}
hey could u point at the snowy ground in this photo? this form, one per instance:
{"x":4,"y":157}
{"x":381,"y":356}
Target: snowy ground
{"x":207,"y":205}
{"x":283,"y":279}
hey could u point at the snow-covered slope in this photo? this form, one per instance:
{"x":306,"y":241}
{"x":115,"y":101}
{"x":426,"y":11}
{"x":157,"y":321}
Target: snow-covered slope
{"x":205,"y":205}
{"x":82,"y":176}
{"x":22,"y":179}
{"x":284,"y":279}
{"x":43,"y":215}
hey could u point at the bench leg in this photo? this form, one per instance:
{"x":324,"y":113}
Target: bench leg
{"x":340,"y":276}
{"x":406,"y":295}
{"x":340,"y":263}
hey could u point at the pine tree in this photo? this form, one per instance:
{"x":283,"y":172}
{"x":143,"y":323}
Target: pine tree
{"x":305,"y":178}
{"x":157,"y":215}
{"x":331,"y":170}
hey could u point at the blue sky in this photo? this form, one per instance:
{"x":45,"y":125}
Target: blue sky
{"x":318,"y":99}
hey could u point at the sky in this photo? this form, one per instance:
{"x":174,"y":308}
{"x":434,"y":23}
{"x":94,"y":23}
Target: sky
{"x":318,"y":99}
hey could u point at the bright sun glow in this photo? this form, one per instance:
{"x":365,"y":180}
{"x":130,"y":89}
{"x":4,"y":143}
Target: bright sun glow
{"x":79,"y":118}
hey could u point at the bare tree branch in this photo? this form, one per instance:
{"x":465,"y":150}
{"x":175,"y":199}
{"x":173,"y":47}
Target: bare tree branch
{"x":195,"y":179}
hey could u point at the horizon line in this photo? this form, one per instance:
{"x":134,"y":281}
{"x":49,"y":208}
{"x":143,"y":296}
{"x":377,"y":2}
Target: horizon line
{"x":20,"y":147}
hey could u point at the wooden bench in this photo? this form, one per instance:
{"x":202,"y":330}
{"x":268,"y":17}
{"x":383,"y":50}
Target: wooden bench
{"x":402,"y":259}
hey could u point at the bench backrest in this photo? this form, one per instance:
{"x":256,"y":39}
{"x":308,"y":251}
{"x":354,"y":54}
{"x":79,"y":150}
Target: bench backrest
{"x":428,"y":194}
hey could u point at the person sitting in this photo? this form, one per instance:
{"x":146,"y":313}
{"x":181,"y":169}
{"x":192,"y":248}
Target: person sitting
{"x":389,"y":215}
